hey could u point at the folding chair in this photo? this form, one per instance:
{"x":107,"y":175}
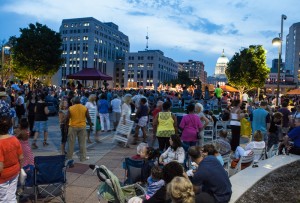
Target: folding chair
{"x":226,"y":159}
{"x":123,"y":132}
{"x":133,"y":170}
{"x":176,"y":104}
{"x":186,"y":103}
{"x":150,"y":123}
{"x":243,"y":160}
{"x":50,"y":177}
{"x":93,"y":114}
{"x":220,"y":125}
{"x":208,"y":133}
{"x":273,"y":151}
{"x":259,"y":154}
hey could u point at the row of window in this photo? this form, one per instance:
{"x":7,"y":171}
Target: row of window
{"x":140,"y":58}
{"x":77,"y":24}
{"x":75,"y":31}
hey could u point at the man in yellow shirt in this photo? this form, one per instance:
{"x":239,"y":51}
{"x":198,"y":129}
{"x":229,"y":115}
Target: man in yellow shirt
{"x":76,"y":118}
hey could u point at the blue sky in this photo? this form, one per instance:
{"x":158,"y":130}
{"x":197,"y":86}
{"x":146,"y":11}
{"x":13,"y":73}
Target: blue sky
{"x":182,"y":29}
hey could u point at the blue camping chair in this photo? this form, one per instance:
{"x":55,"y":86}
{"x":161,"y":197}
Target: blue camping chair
{"x":133,"y":170}
{"x":50,"y":177}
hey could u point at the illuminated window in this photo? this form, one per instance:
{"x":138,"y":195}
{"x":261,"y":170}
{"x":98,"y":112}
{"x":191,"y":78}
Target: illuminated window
{"x":86,"y":24}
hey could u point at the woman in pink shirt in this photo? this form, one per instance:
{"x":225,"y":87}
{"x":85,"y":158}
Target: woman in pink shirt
{"x":191,"y":125}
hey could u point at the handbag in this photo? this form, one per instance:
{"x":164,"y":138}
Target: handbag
{"x":23,"y":176}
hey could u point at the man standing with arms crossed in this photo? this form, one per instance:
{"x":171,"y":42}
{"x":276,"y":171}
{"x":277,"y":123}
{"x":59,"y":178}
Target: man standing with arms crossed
{"x":76,"y":120}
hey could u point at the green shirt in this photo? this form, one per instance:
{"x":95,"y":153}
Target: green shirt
{"x":218,"y":92}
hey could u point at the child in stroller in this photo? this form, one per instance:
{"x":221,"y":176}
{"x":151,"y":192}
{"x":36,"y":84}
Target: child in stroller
{"x":110,"y":188}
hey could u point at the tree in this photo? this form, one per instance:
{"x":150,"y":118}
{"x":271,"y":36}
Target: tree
{"x":248,"y":69}
{"x":37,"y":52}
{"x":183,"y":78}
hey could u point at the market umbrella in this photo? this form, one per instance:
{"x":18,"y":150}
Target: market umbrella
{"x":227,"y":88}
{"x":293,"y":92}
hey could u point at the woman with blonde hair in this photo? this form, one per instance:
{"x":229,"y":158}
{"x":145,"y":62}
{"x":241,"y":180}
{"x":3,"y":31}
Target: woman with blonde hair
{"x":180,"y":190}
{"x":199,"y":111}
{"x":91,"y":105}
{"x":126,"y":109}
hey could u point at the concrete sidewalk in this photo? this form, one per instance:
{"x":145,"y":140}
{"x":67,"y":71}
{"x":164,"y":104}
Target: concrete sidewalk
{"x":82,"y":185}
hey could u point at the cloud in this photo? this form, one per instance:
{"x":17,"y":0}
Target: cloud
{"x":205,"y":26}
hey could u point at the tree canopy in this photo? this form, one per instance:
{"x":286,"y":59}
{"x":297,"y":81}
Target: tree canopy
{"x":37,"y":52}
{"x":183,"y":78}
{"x":248,"y":69}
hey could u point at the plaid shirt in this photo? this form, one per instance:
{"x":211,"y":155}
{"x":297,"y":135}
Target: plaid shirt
{"x":223,"y":146}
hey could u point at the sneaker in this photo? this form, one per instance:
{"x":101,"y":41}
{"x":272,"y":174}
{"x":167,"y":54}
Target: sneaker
{"x":34,"y":146}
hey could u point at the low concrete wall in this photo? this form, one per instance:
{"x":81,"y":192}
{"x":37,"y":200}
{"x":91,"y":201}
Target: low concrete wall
{"x":246,"y":178}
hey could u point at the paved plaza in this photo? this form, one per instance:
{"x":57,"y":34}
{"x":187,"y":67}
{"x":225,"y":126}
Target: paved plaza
{"x":81,"y":183}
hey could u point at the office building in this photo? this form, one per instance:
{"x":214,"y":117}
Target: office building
{"x":148,"y":69}
{"x":292,"y":53}
{"x":195,"y":69}
{"x":89,"y":43}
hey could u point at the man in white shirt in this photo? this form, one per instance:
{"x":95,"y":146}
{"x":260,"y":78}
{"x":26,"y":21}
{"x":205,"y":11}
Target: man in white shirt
{"x":245,"y":97}
{"x":116,"y":110}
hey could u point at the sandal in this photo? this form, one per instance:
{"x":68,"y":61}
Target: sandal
{"x":45,"y":143}
{"x":34,"y":146}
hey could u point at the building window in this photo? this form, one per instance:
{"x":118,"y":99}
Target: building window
{"x":85,"y":38}
{"x":86,"y":24}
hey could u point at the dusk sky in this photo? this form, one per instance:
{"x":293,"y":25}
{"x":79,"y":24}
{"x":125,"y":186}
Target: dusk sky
{"x":182,"y":29}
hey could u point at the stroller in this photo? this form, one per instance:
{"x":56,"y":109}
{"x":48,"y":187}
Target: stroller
{"x":111,"y":190}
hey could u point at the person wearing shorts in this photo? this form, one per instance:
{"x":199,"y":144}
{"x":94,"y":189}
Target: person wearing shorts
{"x":40,"y":121}
{"x":142,"y":119}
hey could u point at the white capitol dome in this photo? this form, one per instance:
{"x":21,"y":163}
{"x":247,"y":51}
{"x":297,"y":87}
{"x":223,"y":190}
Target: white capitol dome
{"x":222,"y":59}
{"x":221,"y":65}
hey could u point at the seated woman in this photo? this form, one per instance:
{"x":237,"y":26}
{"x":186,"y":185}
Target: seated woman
{"x":180,"y":189}
{"x":258,"y":143}
{"x":149,"y":155}
{"x":174,"y":153}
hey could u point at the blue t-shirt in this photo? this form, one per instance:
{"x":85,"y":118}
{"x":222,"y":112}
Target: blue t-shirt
{"x":103,"y":106}
{"x":295,"y":136}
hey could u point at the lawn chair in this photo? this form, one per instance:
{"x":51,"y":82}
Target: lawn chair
{"x":273,"y":151}
{"x":50,"y":177}
{"x":176,"y":104}
{"x":93,"y":114}
{"x":220,"y":125}
{"x":258,"y":155}
{"x":208,"y":135}
{"x":150,"y":123}
{"x":243,"y":160}
{"x":226,"y":160}
{"x":123,"y":132}
{"x":186,"y":103}
{"x":110,"y":188}
{"x":133,"y":170}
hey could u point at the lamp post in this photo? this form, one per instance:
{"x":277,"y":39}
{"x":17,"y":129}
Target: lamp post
{"x":278,"y":42}
{"x":2,"y":62}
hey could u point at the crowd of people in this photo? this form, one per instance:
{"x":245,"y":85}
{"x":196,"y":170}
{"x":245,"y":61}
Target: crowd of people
{"x":24,"y":113}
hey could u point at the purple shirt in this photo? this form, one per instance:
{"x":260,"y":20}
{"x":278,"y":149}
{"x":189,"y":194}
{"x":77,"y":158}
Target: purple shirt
{"x":191,"y":125}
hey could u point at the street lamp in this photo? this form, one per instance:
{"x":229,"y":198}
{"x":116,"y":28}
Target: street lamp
{"x":277,"y":41}
{"x":2,"y":62}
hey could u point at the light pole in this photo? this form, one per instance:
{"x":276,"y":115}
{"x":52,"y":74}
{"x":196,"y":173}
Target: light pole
{"x":2,"y":62}
{"x":278,"y":42}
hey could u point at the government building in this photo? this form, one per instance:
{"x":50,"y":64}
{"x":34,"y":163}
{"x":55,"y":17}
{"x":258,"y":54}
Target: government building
{"x":219,"y":78}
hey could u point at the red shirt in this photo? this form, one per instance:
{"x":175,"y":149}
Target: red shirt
{"x":10,"y":150}
{"x":155,"y":112}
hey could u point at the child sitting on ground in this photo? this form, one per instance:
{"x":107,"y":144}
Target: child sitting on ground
{"x":155,"y":181}
{"x":22,"y":133}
